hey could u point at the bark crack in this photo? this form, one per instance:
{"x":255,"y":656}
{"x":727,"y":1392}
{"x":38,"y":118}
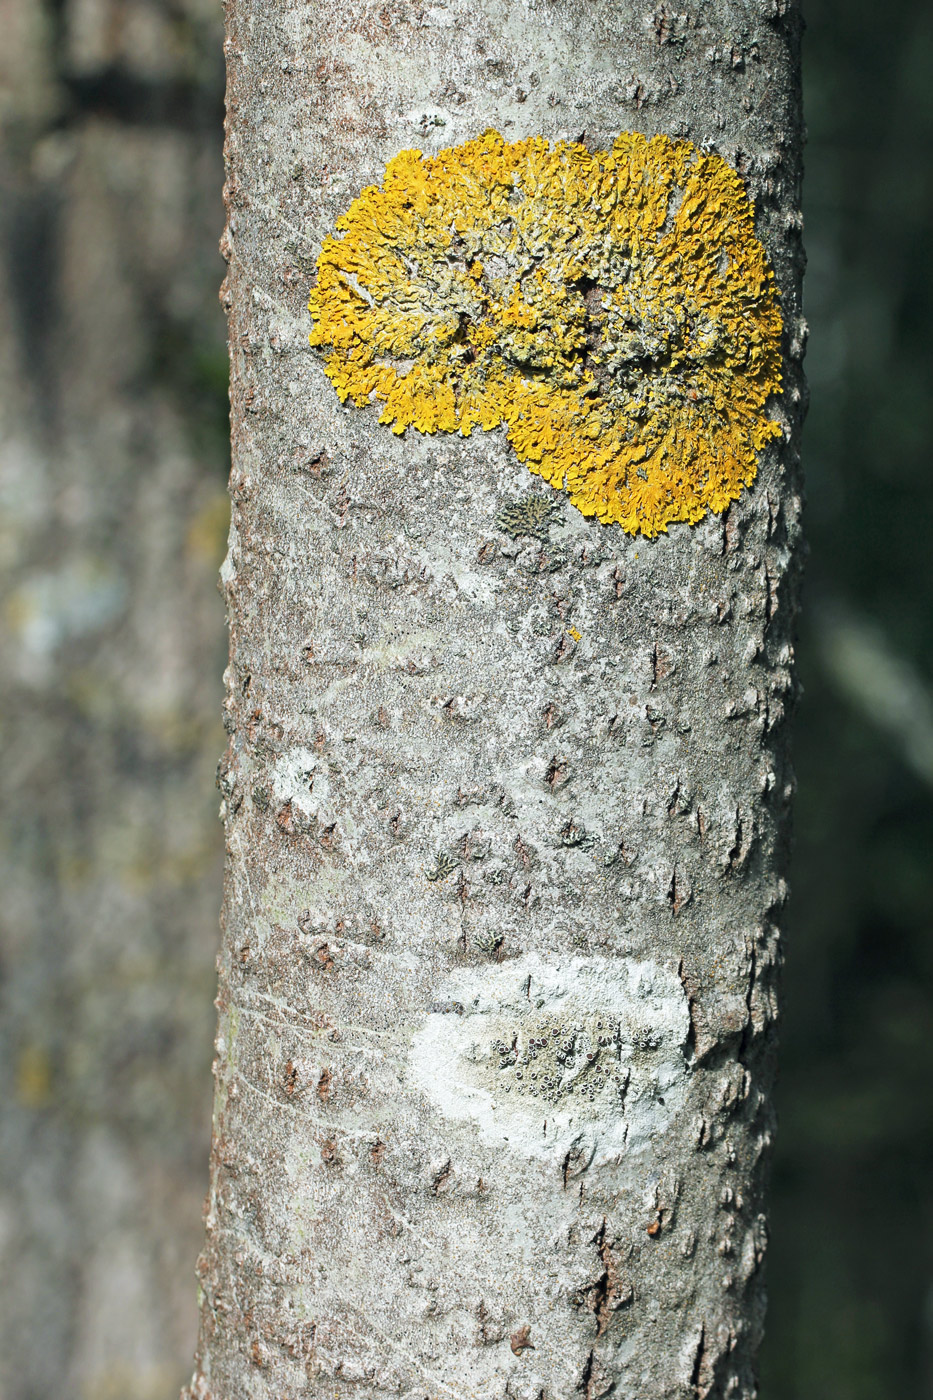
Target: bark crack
{"x":609,"y":1291}
{"x":698,"y":1360}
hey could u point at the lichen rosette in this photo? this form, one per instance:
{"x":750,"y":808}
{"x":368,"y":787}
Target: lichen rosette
{"x":613,"y":309}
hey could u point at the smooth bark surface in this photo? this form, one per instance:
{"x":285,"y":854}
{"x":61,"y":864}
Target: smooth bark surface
{"x":489,"y":789}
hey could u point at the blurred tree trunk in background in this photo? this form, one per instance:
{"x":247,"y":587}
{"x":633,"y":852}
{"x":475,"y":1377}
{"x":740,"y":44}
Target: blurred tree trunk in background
{"x":112,"y":465}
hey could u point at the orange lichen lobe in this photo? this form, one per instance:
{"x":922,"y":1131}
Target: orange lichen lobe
{"x":613,"y":309}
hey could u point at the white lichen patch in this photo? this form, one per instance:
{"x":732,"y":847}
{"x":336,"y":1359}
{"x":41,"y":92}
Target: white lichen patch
{"x":301,"y":779}
{"x":538,"y":1051}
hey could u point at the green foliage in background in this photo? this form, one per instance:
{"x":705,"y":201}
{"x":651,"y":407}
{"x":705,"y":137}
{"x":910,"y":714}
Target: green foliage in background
{"x":851,"y":1258}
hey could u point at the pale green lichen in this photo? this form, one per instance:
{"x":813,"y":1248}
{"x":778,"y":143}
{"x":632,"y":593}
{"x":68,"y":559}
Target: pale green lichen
{"x":613,"y":309}
{"x":551,"y":1059}
{"x":530,"y":516}
{"x":444,"y":864}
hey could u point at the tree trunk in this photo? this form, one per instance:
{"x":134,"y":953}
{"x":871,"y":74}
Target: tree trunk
{"x":500,"y":785}
{"x":112,"y":465}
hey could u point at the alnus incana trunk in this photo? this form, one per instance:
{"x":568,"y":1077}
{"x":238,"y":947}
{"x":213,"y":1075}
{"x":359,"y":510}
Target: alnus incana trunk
{"x":506,"y":788}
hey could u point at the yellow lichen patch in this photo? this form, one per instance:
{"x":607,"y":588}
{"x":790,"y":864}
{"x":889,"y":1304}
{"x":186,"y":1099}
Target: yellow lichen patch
{"x":613,"y":309}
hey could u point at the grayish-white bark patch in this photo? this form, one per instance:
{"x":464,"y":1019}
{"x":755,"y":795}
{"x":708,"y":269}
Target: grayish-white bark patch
{"x":541,"y":1054}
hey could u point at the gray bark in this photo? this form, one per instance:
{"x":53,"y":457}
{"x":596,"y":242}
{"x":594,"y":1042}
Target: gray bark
{"x":111,"y":644}
{"x":446,"y":819}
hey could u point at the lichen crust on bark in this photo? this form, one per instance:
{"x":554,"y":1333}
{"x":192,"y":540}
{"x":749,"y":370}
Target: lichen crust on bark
{"x":543,"y":1055}
{"x":506,"y":789}
{"x":613,"y":308}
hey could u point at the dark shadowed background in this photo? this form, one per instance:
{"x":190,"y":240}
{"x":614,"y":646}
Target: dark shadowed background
{"x":112,"y":523}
